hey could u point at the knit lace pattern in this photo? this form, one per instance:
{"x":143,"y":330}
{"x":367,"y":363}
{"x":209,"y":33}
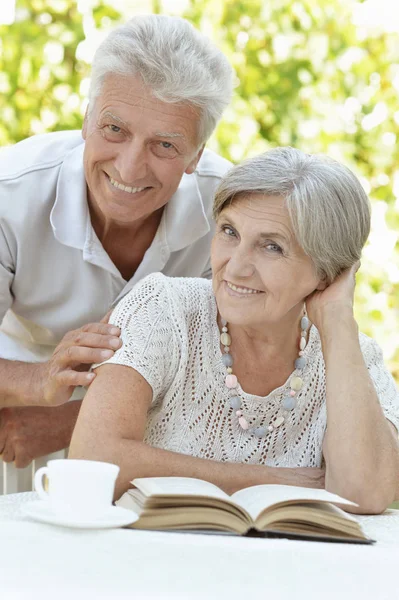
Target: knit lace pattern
{"x":171,"y":337}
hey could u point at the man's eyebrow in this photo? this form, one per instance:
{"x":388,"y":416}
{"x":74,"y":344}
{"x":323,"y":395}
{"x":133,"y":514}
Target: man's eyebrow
{"x":114,"y":117}
{"x":169,"y":135}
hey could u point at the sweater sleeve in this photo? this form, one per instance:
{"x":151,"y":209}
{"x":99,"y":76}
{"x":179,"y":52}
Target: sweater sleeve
{"x":387,"y":391}
{"x":150,"y":345}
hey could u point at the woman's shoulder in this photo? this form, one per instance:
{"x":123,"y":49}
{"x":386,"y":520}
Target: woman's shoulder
{"x":180,"y":295}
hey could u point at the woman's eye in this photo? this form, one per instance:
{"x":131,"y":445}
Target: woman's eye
{"x":274,"y":248}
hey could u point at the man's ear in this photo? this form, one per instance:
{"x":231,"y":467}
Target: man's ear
{"x":85,"y":120}
{"x":193,"y":164}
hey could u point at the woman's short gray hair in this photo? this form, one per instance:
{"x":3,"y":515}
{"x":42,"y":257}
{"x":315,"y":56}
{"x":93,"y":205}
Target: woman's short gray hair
{"x":329,"y":210}
{"x":175,"y":61}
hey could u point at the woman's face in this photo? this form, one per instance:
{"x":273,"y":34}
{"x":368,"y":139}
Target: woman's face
{"x":260,"y":273}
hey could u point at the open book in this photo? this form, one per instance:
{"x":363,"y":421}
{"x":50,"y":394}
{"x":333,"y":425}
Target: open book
{"x":182,"y":503}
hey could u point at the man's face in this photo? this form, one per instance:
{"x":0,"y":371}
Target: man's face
{"x":137,"y":150}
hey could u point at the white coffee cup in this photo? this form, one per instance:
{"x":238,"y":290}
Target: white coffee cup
{"x":77,"y":488}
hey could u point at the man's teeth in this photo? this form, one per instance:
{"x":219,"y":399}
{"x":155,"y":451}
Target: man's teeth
{"x":126,"y":188}
{"x":241,"y":290}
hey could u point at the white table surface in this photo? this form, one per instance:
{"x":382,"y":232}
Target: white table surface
{"x":44,"y":561}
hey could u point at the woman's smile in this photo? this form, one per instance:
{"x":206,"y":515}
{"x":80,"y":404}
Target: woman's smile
{"x":239,"y":290}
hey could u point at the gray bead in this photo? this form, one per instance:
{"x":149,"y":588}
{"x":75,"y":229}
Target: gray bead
{"x":235,"y":402}
{"x":260,"y":432}
{"x":288,"y":403}
{"x":300,"y":362}
{"x":227,"y":360}
{"x":304,"y":323}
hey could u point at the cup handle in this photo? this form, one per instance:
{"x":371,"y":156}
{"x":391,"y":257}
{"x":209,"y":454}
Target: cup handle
{"x":39,"y":482}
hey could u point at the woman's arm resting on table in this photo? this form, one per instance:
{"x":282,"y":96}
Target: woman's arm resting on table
{"x":111,"y":428}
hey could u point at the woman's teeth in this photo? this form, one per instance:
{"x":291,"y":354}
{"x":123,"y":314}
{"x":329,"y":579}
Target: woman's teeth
{"x":242,"y":290}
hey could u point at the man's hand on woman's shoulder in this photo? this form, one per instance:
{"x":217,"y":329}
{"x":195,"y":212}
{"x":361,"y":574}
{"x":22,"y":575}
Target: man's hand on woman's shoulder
{"x":55,"y":380}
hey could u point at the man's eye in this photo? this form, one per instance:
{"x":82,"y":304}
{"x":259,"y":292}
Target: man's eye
{"x":164,"y":149}
{"x":114,"y":128}
{"x":228,"y":230}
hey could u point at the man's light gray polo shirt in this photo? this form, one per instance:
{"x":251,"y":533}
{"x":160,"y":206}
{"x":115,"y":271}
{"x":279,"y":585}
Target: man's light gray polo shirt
{"x":54,"y":273}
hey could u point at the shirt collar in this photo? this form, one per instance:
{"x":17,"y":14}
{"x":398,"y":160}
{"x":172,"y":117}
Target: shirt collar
{"x":70,"y":216}
{"x":184,"y":215}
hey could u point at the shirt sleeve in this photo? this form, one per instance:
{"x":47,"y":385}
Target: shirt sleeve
{"x":384,"y":383}
{"x":6,"y":275}
{"x":150,"y":345}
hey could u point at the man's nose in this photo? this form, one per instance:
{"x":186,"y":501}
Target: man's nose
{"x":131,"y":162}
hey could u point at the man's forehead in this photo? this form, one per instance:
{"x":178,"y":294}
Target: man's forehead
{"x":132,"y":91}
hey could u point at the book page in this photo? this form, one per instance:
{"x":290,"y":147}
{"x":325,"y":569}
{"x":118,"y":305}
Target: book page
{"x":257,"y":498}
{"x":178,"y":486}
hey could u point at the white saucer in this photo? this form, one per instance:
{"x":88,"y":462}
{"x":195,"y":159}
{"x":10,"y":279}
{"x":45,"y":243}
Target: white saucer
{"x":115,"y":516}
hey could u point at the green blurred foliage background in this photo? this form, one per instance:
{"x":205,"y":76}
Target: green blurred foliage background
{"x":322,"y":75}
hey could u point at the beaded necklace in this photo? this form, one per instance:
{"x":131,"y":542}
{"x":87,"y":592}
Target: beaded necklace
{"x":289,"y":399}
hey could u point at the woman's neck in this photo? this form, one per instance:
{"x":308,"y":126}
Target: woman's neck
{"x":268,"y":338}
{"x":264,"y":356}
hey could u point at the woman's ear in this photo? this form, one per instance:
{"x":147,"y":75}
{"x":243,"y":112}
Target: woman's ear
{"x":322,"y":283}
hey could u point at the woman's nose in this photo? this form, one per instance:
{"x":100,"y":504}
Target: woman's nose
{"x":131,"y":162}
{"x":240,"y":264}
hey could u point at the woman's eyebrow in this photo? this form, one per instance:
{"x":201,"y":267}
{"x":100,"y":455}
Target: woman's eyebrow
{"x":272,"y":234}
{"x":265,"y":235}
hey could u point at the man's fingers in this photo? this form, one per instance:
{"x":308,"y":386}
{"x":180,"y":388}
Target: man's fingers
{"x":76,"y":355}
{"x":74,"y":378}
{"x":8,"y":454}
{"x":95,"y":340}
{"x":22,"y":460}
{"x":102,"y":328}
{"x":106,"y":317}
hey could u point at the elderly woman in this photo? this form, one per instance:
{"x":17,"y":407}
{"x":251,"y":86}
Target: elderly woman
{"x":260,"y":376}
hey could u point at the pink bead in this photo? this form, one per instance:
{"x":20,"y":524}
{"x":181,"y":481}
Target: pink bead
{"x":231,"y":381}
{"x":292,"y":393}
{"x":239,"y":413}
{"x":243,"y":423}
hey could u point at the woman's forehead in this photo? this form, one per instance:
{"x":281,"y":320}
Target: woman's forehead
{"x":262,"y":211}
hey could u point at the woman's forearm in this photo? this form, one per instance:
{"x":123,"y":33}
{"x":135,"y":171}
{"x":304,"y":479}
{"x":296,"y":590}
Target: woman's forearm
{"x":137,"y":459}
{"x":360,"y":447}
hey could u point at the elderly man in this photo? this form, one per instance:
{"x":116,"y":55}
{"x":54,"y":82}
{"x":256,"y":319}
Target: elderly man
{"x":82,"y":220}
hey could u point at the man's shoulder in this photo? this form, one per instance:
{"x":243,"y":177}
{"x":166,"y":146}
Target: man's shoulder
{"x":212,"y":165}
{"x":37,"y":153}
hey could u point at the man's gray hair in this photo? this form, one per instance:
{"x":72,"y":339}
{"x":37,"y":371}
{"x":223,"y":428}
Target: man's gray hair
{"x":177,"y":62}
{"x":328,"y":207}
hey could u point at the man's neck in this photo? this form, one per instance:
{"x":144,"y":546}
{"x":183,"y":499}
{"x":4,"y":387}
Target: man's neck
{"x":126,"y":245}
